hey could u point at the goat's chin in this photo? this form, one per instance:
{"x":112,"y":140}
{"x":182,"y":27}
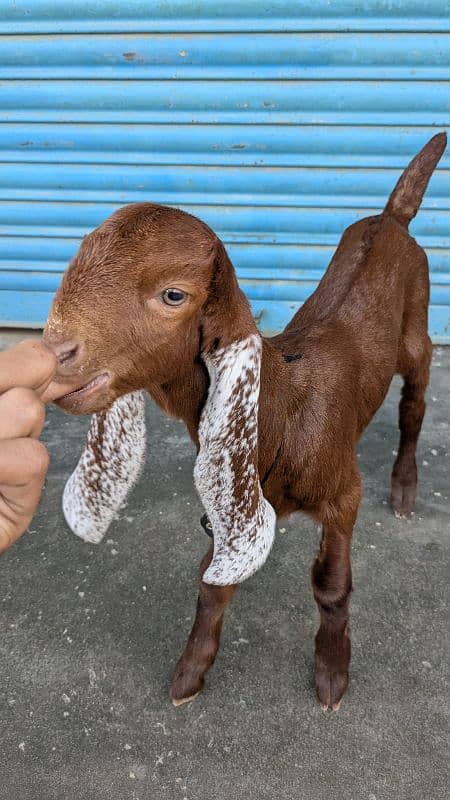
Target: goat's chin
{"x":95,"y":396}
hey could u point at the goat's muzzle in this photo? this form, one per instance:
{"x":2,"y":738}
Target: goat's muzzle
{"x":75,"y":383}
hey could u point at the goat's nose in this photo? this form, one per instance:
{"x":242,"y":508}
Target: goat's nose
{"x":67,"y":353}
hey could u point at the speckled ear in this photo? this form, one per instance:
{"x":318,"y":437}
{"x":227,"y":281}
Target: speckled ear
{"x":226,"y":470}
{"x":108,"y":468}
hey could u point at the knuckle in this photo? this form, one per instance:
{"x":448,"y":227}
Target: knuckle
{"x":28,"y":407}
{"x":6,"y":537}
{"x":38,"y":459}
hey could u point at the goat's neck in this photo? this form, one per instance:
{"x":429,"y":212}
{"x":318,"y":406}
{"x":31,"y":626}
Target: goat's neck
{"x":185,"y":396}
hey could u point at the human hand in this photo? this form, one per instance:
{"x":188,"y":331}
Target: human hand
{"x":26,"y":371}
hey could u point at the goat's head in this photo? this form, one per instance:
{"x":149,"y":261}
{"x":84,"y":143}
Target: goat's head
{"x":149,"y":292}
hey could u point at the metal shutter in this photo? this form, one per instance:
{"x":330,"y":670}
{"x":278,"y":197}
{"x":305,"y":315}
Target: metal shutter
{"x":278,"y":123}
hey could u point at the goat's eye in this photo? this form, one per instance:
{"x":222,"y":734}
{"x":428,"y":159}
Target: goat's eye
{"x":173,"y":297}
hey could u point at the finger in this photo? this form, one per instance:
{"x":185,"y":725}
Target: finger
{"x":22,"y":414}
{"x":23,"y":466}
{"x":56,"y":390}
{"x":14,"y":517}
{"x":22,"y":462}
{"x":30,"y":364}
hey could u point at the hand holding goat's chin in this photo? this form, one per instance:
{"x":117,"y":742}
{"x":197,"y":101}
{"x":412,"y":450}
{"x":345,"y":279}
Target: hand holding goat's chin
{"x":151,"y":302}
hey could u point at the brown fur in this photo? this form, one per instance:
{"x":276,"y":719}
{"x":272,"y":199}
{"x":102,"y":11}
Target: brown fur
{"x":322,"y":379}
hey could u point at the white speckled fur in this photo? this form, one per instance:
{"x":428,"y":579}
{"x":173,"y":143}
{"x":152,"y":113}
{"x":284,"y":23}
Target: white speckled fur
{"x":226,"y":470}
{"x":108,"y":468}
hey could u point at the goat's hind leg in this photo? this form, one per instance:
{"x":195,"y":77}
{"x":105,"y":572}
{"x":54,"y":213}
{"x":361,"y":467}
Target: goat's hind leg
{"x":411,"y":413}
{"x":204,"y":639}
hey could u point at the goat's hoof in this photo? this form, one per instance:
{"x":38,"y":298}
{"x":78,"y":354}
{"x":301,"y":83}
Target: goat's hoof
{"x":181,"y":701}
{"x":333,"y":708}
{"x":184,"y":686}
{"x":331,"y":687}
{"x":403,"y":498}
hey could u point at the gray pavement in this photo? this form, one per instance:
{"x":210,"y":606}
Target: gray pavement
{"x":89,"y":635}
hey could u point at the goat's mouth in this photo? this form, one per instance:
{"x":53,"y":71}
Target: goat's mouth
{"x":75,"y":400}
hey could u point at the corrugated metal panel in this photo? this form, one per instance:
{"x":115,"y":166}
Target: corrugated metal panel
{"x":278,"y":123}
{"x":40,"y":16}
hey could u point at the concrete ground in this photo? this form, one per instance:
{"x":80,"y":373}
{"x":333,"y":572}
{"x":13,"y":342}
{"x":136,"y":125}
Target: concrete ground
{"x":89,"y":635}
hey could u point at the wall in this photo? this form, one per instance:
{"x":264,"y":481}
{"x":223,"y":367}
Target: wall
{"x":278,"y":123}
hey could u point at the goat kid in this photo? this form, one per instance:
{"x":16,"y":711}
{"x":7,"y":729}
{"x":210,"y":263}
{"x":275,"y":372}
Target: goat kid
{"x":151,"y":303}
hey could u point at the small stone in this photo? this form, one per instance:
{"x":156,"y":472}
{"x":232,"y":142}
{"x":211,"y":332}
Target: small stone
{"x":81,"y":594}
{"x":425,"y":463}
{"x":114,"y":552}
{"x":132,"y":775}
{"x":127,"y":747}
{"x":434,"y":452}
{"x":65,"y":698}
{"x":92,"y":677}
{"x":437,"y":494}
{"x":427,"y":665}
{"x":22,"y":746}
{"x":282,"y":530}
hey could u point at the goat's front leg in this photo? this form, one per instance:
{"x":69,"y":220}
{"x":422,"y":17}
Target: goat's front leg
{"x":204,"y":639}
{"x":332,"y":585}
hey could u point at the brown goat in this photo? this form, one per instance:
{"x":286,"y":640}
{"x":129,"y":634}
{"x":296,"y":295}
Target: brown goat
{"x":151,"y":302}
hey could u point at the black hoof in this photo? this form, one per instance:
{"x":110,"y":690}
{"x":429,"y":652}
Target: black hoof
{"x":206,"y":525}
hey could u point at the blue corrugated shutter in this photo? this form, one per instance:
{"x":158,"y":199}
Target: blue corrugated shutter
{"x":278,"y":123}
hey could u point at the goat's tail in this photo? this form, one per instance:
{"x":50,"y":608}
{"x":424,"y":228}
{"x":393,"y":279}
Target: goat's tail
{"x":406,"y":198}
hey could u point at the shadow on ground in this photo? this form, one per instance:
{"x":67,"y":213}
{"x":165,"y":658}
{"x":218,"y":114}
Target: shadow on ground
{"x":89,"y":635}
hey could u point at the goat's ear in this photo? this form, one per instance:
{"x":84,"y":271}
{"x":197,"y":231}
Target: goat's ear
{"x":226,"y":470}
{"x":108,"y":468}
{"x":226,"y":315}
